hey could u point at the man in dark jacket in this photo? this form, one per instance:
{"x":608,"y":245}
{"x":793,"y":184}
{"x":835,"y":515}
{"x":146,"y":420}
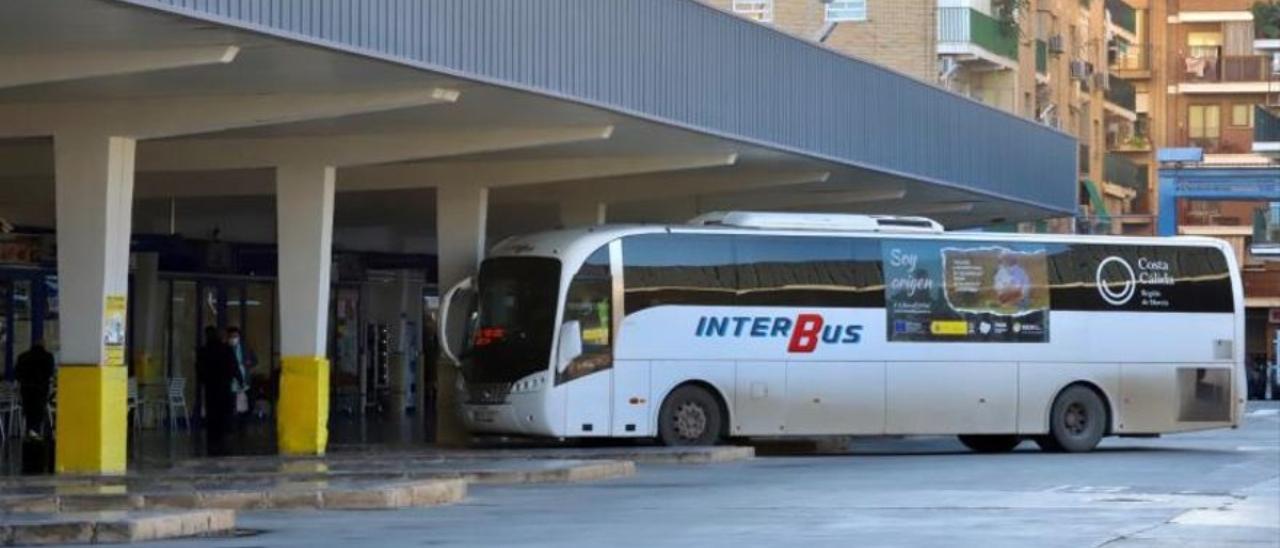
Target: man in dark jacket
{"x":35,"y":373}
{"x":216,"y":369}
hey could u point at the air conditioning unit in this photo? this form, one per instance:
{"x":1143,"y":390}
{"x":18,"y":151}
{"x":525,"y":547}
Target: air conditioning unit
{"x":1055,"y":44}
{"x":1080,"y":70}
{"x":1101,"y":80}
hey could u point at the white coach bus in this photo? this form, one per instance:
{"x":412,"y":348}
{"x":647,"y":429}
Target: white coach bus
{"x":767,"y":324}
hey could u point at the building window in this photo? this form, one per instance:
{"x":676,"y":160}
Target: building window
{"x":1204,"y":44}
{"x":760,"y":10}
{"x":1204,"y":122}
{"x":1242,"y":115}
{"x":847,"y":10}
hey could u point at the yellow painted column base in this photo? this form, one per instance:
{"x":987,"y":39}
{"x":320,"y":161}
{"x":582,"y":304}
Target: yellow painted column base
{"x":302,"y":419}
{"x":92,"y":430}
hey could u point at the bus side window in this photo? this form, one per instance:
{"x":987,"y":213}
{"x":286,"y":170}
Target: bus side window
{"x":589,"y":302}
{"x":678,"y":269}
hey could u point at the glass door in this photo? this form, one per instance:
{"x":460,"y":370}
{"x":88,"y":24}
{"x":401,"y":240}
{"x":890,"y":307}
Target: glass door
{"x":184,"y":336}
{"x":20,"y":319}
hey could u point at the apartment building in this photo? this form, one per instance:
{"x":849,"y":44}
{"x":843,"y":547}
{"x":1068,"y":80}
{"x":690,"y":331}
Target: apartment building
{"x":1045,"y":60}
{"x":1138,"y":82}
{"x":1218,"y":139}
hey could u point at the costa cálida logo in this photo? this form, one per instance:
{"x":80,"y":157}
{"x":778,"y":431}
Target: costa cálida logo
{"x":803,"y":334}
{"x":1118,"y":281}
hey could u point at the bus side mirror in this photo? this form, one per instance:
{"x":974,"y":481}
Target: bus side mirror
{"x":449,"y":332}
{"x":570,"y":346}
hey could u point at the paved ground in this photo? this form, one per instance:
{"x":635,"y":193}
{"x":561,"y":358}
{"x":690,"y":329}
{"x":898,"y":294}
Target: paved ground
{"x":1205,"y":489}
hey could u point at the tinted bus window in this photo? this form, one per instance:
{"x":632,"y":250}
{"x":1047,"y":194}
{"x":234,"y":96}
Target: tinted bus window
{"x":808,"y":271}
{"x":678,"y":269}
{"x":589,"y":302}
{"x":1146,"y":279}
{"x":515,"y":319}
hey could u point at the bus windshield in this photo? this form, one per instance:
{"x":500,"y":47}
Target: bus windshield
{"x":515,"y":319}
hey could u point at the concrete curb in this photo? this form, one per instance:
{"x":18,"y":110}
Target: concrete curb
{"x":407,"y":494}
{"x":719,"y":456}
{"x":599,"y":470}
{"x":113,"y":528}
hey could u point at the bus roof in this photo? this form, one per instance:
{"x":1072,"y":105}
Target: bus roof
{"x":574,"y":243}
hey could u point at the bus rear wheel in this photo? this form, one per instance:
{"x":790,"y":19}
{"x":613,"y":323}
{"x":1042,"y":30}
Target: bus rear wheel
{"x":690,"y":416}
{"x":991,"y":443}
{"x":1077,"y":422}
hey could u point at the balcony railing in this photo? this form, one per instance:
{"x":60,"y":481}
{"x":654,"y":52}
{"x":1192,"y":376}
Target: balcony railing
{"x":1042,"y":57}
{"x":970,"y":26}
{"x":1135,"y":58}
{"x":1122,"y":94}
{"x":1266,"y":126}
{"x":1123,"y":15}
{"x":1231,"y":68}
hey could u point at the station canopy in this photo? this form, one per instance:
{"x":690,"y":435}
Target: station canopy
{"x":650,"y":111}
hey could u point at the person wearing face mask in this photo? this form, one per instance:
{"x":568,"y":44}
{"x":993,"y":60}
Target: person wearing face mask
{"x":240,"y":384}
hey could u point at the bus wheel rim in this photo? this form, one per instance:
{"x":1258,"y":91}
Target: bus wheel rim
{"x":1076,"y":419}
{"x":690,"y":420}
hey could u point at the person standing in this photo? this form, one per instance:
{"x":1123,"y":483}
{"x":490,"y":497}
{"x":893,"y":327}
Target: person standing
{"x":216,"y":369}
{"x":35,"y":374}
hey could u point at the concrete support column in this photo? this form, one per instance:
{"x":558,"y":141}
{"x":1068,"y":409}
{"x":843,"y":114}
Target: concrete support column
{"x":304,"y":215}
{"x":582,"y":213}
{"x":94,"y":192}
{"x":461,"y":217}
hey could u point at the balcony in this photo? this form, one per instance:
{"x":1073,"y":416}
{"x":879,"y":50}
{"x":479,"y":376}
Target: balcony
{"x":1123,"y":16}
{"x":1123,"y":95}
{"x":976,"y":36}
{"x":1243,"y":73}
{"x":1134,"y":61}
{"x":1118,"y":170}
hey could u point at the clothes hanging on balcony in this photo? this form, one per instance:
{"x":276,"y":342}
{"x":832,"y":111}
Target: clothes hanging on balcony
{"x":1197,"y":66}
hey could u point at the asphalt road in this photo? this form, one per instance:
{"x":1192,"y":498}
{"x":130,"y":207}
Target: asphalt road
{"x":1219,"y":488}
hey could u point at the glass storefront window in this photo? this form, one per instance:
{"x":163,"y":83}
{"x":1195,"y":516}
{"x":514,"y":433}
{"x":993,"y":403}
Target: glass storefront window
{"x":6,"y":331}
{"x":183,"y":334}
{"x":21,"y":317}
{"x":51,"y":332}
{"x":258,"y":307}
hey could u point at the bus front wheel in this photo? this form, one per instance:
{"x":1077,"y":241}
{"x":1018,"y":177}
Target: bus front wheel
{"x":990,"y":444}
{"x":1077,"y":422}
{"x":690,"y":416}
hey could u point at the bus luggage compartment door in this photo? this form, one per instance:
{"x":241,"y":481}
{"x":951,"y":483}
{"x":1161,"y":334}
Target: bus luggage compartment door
{"x":760,"y":399}
{"x":825,"y":398}
{"x":952,"y":398}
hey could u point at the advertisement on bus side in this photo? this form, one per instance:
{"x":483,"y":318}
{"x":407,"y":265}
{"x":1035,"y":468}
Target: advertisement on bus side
{"x":948,"y":291}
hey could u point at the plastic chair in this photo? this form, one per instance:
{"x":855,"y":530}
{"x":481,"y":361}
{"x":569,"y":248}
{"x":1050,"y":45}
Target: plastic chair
{"x":178,"y":400}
